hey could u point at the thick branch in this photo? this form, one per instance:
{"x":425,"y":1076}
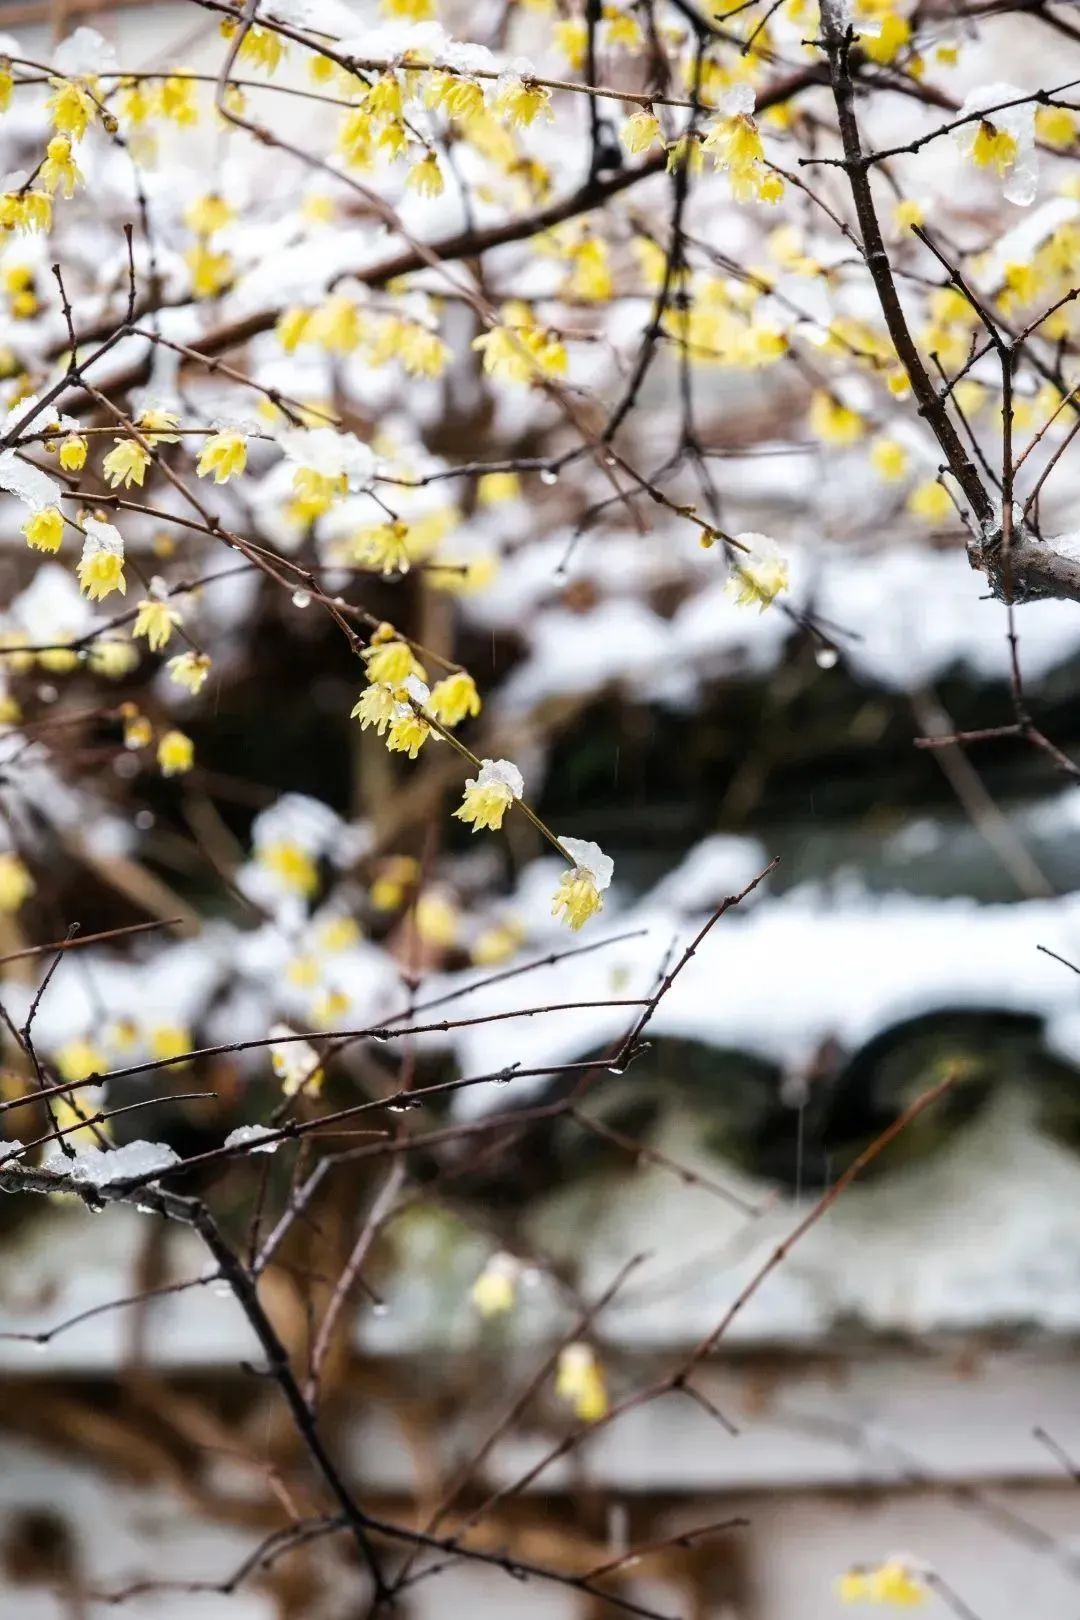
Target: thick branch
{"x":931,"y":408}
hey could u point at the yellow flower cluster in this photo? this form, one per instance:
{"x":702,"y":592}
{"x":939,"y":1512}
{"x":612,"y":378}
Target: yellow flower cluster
{"x":579,"y":1381}
{"x":518,"y":350}
{"x":894,"y":1583}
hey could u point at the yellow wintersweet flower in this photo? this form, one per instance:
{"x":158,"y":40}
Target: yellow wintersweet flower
{"x":1055,"y":125}
{"x":578,"y":896}
{"x":489,"y":795}
{"x":295,"y":1062}
{"x":590,"y":276}
{"x":338,"y":933}
{"x":736,"y":146}
{"x":7,"y":85}
{"x":931,"y":502}
{"x":906,"y":214}
{"x":174,"y":99}
{"x":156,"y":621}
{"x":175,"y":753}
{"x":460,"y":98}
{"x":112,"y":658}
{"x":73,"y":448}
{"x":390,"y":660}
{"x":889,"y":459}
{"x":60,"y":172}
{"x":71,"y":107}
{"x":422,"y":353}
{"x":384,"y":99}
{"x":376,"y":707}
{"x":156,"y":425}
{"x":355,"y":137}
{"x":760,"y":579}
{"x":317,"y":490}
{"x":208,"y":214}
{"x":292,"y":327}
{"x":454,"y":697}
{"x":126,"y":463}
{"x":291,"y":865}
{"x":395,"y":877}
{"x":303,"y":971}
{"x":495,"y":487}
{"x":411,"y":10}
{"x":169,"y":1041}
{"x":25,"y":211}
{"x":101,"y":566}
{"x":641,"y":130}
{"x":496,"y":945}
{"x":425,"y":177}
{"x":519,"y":350}
{"x":392,"y":139}
{"x":224,"y":455}
{"x":522,"y":102}
{"x":335,"y":325}
{"x":408,"y":731}
{"x":579,"y":1380}
{"x":970,"y":397}
{"x":834,"y":422}
{"x":886,"y":45}
{"x":994,"y":148}
{"x":436,"y":919}
{"x":261,"y":47}
{"x":78,"y":1060}
{"x":621,"y":30}
{"x":16,"y":884}
{"x":210,"y":272}
{"x":894,"y":1582}
{"x":189,"y":669}
{"x":44,"y":529}
{"x":135,"y":103}
{"x":571,"y":37}
{"x":385,"y":546}
{"x":495,"y":1290}
{"x":853,"y":1586}
{"x":687,"y":152}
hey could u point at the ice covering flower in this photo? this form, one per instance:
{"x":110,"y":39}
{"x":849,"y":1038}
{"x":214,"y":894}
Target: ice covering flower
{"x":295,"y":1062}
{"x":101,"y":566}
{"x":578,"y":896}
{"x":489,"y":795}
{"x":760,"y":577}
{"x":1004,"y":140}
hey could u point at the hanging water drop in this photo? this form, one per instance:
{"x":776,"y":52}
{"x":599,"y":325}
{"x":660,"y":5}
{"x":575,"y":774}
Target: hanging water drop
{"x":301,"y":599}
{"x":826,"y":657}
{"x":549,"y":476}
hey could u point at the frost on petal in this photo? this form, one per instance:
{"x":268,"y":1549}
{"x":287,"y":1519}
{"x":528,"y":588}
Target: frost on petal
{"x":28,"y":484}
{"x":1021,"y":183}
{"x":417,"y":689}
{"x":590,"y":858}
{"x":995,"y":95}
{"x":102,"y":536}
{"x":330,"y":453}
{"x":296,"y":818}
{"x":738,"y":100}
{"x":503,"y":771}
